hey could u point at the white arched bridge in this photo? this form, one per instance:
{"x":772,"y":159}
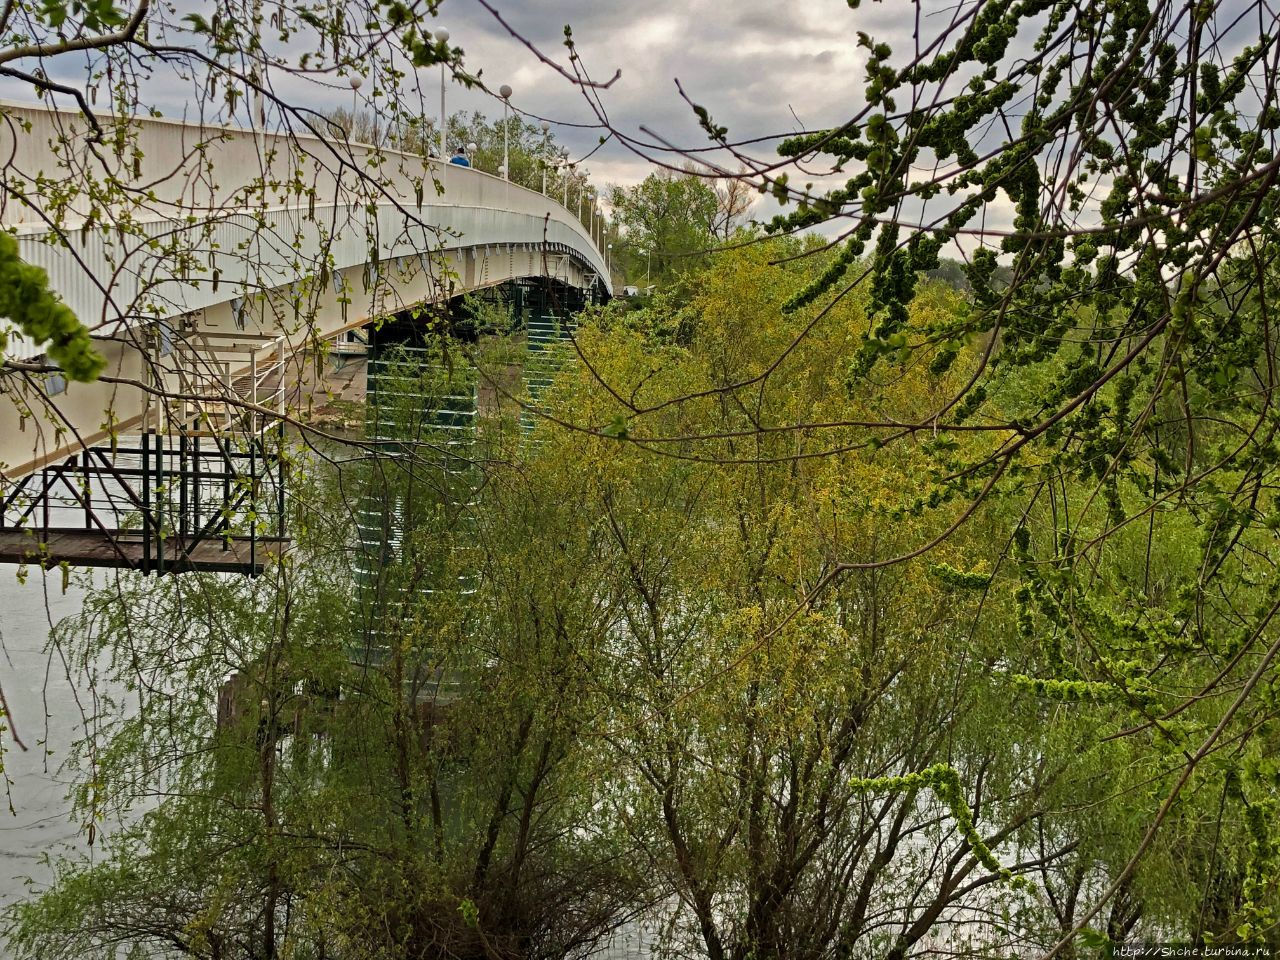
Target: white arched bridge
{"x":210,"y":263}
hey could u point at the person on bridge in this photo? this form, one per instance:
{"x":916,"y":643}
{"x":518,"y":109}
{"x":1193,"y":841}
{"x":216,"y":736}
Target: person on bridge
{"x":460,"y":158}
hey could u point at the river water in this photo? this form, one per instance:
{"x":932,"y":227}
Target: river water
{"x":46,"y":714}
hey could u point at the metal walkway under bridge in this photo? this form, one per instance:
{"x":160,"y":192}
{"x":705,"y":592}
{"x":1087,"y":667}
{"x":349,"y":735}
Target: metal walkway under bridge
{"x":212,"y":265}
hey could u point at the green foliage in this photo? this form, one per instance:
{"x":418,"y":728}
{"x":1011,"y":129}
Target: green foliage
{"x":1068,"y":691}
{"x":944,"y":781}
{"x":667,"y":223}
{"x":618,"y":672}
{"x":1120,"y":379}
{"x":743,"y":703}
{"x":96,"y":15}
{"x":382,"y":778}
{"x":26,"y":300}
{"x":962,"y":579}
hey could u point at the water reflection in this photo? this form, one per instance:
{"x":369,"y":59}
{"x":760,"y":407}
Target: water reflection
{"x":47,"y":715}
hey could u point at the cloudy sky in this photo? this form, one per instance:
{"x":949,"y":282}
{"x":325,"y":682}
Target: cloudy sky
{"x":760,"y":67}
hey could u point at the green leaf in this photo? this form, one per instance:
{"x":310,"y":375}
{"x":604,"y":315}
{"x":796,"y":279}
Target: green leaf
{"x":617,"y":428}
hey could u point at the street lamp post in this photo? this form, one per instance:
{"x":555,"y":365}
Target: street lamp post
{"x":546,"y":143}
{"x":504,"y":91}
{"x":565,"y":202}
{"x":355,"y":82}
{"x":259,"y":78}
{"x":442,"y":35}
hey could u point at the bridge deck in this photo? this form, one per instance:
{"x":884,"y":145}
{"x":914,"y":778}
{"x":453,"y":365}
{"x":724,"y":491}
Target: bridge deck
{"x":93,"y":548}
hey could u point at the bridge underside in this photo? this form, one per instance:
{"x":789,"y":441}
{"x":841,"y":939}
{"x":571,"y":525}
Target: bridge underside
{"x":187,"y":485}
{"x":125,"y":550}
{"x":217,"y":352}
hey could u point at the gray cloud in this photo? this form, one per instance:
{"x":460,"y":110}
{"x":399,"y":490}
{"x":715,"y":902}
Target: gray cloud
{"x":758,"y":68}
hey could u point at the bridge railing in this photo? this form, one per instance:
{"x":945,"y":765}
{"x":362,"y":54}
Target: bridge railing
{"x":201,"y":167}
{"x":239,"y":209}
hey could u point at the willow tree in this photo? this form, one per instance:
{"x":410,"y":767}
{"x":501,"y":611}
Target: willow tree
{"x":343,"y":760}
{"x":1107,"y":173}
{"x":821,"y":760}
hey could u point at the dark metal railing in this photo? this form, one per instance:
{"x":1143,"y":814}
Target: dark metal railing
{"x":155,"y":503}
